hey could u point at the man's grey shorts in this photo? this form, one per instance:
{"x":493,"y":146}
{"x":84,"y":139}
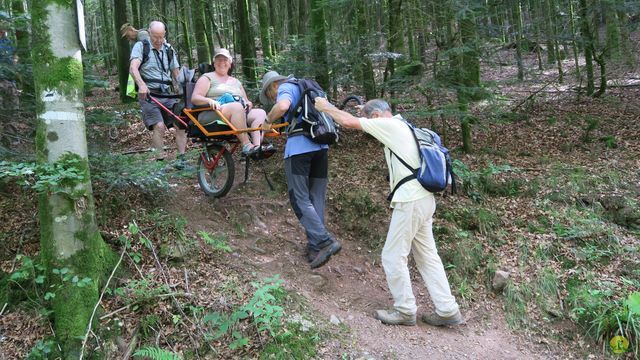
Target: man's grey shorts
{"x":153,"y":114}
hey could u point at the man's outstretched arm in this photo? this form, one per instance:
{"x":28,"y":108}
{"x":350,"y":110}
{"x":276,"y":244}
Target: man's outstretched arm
{"x":341,"y":117}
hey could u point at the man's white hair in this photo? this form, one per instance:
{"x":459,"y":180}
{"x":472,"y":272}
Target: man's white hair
{"x":157,"y":26}
{"x":375,"y":105}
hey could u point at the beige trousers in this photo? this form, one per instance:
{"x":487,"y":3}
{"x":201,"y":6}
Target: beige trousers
{"x":410,"y":229}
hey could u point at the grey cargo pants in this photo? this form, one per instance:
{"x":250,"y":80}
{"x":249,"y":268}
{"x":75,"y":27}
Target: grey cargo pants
{"x":307,"y":184}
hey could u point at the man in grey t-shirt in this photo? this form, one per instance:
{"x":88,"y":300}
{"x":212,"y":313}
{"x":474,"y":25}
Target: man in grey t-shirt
{"x":155,"y":75}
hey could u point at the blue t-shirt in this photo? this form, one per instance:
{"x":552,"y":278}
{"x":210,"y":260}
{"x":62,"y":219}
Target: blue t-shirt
{"x":6,"y":50}
{"x":299,"y":144}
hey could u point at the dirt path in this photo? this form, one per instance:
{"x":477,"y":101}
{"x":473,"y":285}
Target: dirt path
{"x":350,"y":287}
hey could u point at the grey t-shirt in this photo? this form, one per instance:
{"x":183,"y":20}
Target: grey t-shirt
{"x":157,"y":69}
{"x":143,"y":35}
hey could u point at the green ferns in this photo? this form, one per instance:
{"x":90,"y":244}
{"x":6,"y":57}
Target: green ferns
{"x":155,"y":353}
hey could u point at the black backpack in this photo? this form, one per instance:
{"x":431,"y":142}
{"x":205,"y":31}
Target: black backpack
{"x":304,"y":119}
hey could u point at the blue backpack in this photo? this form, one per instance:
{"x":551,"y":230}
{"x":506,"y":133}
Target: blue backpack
{"x":435,"y":171}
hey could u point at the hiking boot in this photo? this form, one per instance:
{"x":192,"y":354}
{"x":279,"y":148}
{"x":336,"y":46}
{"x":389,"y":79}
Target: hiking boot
{"x":325,"y":254}
{"x":310,"y":255}
{"x":437,"y":320}
{"x":182,"y":164}
{"x":395,"y":317}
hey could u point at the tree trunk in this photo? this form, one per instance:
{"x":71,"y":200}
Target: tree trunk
{"x":587,"y":45}
{"x":277,"y":25}
{"x":302,"y":17}
{"x":185,"y":30}
{"x":108,"y":44}
{"x":394,"y":39}
{"x":574,"y":43}
{"x":613,"y":30}
{"x":365,"y":66}
{"x":548,"y":29}
{"x":69,"y":236}
{"x":123,"y":50}
{"x":517,"y":20}
{"x":202,"y":47}
{"x":135,"y":14}
{"x":319,"y":43}
{"x":247,"y":47}
{"x":265,"y":36}
{"x":22,"y":32}
{"x":214,"y":24}
{"x":292,"y":14}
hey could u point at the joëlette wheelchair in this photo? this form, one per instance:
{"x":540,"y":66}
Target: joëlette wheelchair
{"x":216,"y":166}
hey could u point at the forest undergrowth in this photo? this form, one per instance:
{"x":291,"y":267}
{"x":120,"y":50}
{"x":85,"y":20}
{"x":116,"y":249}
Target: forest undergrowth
{"x":549,"y":195}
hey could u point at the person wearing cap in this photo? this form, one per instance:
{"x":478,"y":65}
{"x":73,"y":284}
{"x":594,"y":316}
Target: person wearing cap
{"x":306,"y":167}
{"x":213,"y":88}
{"x":410,"y":230}
{"x":155,"y":75}
{"x":132,"y":34}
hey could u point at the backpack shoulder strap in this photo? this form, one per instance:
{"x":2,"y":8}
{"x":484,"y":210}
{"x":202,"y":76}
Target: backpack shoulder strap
{"x":146,"y":49}
{"x":169,"y":50}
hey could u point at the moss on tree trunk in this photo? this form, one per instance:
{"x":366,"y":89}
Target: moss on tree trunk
{"x":69,"y":235}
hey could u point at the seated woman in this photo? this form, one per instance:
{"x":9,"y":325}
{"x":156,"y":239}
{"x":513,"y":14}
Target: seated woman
{"x":211,"y":86}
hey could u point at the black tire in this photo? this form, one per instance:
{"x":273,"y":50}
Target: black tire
{"x":218,"y":181}
{"x":348,"y":99}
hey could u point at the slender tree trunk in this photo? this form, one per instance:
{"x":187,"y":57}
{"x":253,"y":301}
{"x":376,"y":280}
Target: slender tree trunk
{"x":277,"y":24}
{"x":548,"y":29}
{"x":319,"y":43}
{"x":22,"y":32}
{"x":394,"y":39}
{"x":517,"y":20}
{"x":551,"y":8}
{"x":135,"y":14}
{"x":202,"y":47}
{"x":601,"y":60}
{"x":69,"y":235}
{"x":109,"y":44}
{"x":119,"y":18}
{"x":365,"y":65}
{"x":587,"y":45}
{"x":613,"y":30}
{"x":185,"y":30}
{"x":302,"y":17}
{"x":214,"y":24}
{"x":574,"y":43}
{"x":292,"y":14}
{"x":247,"y":47}
{"x":265,"y":36}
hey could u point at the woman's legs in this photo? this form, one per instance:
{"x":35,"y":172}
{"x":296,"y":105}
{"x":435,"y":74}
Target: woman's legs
{"x":256,"y":118}
{"x":234,"y":112}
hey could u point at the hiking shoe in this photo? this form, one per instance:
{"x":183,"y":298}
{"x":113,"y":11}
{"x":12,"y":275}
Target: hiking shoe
{"x":394,"y":317}
{"x":437,"y":320}
{"x":325,"y":254}
{"x":181,"y":164}
{"x":310,"y":255}
{"x":249,"y":149}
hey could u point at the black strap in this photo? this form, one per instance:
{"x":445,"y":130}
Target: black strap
{"x":156,"y":81}
{"x":414,"y":175}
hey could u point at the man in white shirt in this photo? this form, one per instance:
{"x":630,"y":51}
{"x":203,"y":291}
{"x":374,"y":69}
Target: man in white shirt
{"x":411,"y":220}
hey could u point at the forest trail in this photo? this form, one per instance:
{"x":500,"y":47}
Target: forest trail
{"x":350,"y":287}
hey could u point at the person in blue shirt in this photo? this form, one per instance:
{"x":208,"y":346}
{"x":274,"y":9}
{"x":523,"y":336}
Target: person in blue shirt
{"x":306,"y":166}
{"x":9,"y":96}
{"x":7,"y":50}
